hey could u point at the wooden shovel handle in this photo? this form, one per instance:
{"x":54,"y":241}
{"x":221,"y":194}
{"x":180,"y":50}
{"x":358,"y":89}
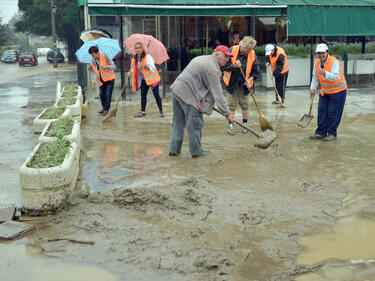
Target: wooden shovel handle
{"x":241,"y":125}
{"x":311,"y":103}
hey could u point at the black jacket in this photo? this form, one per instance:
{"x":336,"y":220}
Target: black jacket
{"x":236,"y":79}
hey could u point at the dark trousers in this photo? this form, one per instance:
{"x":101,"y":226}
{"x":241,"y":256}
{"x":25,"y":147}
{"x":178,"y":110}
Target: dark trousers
{"x":106,"y":94}
{"x":185,"y":115}
{"x":144,"y":91}
{"x":281,"y":85}
{"x":330,"y":111}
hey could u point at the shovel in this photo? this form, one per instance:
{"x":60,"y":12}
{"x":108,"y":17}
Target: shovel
{"x":306,"y":118}
{"x":265,"y":138}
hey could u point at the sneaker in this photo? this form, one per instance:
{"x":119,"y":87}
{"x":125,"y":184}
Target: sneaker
{"x":162,"y":115}
{"x":140,"y":114}
{"x":275,"y":102}
{"x":104,"y":113}
{"x":101,"y":111}
{"x":330,"y":138}
{"x":174,"y":153}
{"x":244,"y":131}
{"x":203,"y":153}
{"x":231,"y":130}
{"x":316,"y":137}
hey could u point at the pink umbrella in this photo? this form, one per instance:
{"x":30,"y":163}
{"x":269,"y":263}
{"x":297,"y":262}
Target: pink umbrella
{"x":151,"y":45}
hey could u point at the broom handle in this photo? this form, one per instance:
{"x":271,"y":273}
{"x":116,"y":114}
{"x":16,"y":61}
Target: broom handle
{"x":122,"y":91}
{"x":273,"y":82}
{"x":90,"y":92}
{"x":311,"y":103}
{"x":241,"y":125}
{"x":250,"y":91}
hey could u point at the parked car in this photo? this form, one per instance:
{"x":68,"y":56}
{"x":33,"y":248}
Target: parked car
{"x":60,"y":56}
{"x":10,"y":56}
{"x":27,"y":59}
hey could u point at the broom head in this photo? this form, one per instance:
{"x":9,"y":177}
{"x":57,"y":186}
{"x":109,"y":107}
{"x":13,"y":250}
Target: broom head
{"x":84,"y":109}
{"x":264,"y":123}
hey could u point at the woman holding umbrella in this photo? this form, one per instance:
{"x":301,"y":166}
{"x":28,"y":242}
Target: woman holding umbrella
{"x":144,"y":74}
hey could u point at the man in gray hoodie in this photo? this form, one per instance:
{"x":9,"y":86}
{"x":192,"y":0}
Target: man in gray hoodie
{"x":195,"y":91}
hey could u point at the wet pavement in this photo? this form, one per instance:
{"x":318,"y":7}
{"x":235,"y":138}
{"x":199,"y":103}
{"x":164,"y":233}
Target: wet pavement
{"x":300,"y":210}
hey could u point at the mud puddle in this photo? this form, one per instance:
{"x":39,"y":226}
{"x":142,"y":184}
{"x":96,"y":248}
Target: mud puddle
{"x":25,"y":263}
{"x":351,"y":239}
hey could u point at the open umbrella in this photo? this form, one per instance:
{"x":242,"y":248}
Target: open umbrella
{"x":110,"y":47}
{"x":94,"y":33}
{"x":151,"y":45}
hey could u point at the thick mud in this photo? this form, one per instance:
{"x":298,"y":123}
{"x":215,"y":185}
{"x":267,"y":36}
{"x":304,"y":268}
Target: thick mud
{"x":242,"y":213}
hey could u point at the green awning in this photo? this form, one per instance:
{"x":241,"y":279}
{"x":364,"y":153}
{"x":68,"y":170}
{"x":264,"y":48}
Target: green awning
{"x":331,"y":21}
{"x":133,"y":11}
{"x":305,"y":17}
{"x":184,"y":7}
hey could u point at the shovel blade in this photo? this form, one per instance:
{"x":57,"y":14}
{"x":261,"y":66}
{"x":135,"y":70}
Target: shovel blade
{"x":305,"y":120}
{"x":265,"y":139}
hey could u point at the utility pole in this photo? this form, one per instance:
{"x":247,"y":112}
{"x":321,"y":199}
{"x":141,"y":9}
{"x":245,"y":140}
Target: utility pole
{"x":53,"y":13}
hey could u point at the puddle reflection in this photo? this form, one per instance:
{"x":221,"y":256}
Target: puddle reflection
{"x":22,"y":263}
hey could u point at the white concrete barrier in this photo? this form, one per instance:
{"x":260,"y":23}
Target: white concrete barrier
{"x":48,"y":188}
{"x":74,"y":136}
{"x":39,"y":123}
{"x":75,"y":108}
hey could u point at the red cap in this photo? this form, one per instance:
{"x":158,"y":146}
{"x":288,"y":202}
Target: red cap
{"x":223,"y":49}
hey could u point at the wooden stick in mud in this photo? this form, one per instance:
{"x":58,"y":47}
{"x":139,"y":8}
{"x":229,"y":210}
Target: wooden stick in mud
{"x":72,"y":240}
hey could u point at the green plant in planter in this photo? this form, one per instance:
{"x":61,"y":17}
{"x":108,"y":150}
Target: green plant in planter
{"x":281,"y":20}
{"x":53,"y":112}
{"x":50,"y":154}
{"x":198,"y":52}
{"x":69,"y":96}
{"x":60,"y":128}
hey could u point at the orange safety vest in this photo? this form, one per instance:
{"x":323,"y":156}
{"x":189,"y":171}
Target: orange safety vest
{"x":107,"y":75}
{"x":273,"y":60}
{"x":151,"y":77}
{"x":330,"y":87}
{"x":249,"y":65}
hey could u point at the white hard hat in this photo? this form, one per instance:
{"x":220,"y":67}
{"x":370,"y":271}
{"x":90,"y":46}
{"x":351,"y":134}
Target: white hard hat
{"x":269,"y":48}
{"x":321,"y":48}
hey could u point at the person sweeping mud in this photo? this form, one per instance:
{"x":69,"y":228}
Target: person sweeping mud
{"x":104,"y":68}
{"x":328,"y":73}
{"x":195,"y":91}
{"x":277,"y":58}
{"x":144,"y":74}
{"x":237,"y":89}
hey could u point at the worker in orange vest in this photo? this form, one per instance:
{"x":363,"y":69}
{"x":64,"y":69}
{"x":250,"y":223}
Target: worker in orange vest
{"x":144,"y":74}
{"x":237,"y":88}
{"x":277,"y":58}
{"x":104,"y":68}
{"x":328,"y":73}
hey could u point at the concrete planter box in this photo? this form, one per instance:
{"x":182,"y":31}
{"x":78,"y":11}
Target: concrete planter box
{"x":74,"y":136}
{"x":76,"y":107}
{"x":48,"y":188}
{"x":39,"y":123}
{"x":58,"y":90}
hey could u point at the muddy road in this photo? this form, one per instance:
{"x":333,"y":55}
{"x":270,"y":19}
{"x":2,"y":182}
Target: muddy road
{"x":300,"y":210}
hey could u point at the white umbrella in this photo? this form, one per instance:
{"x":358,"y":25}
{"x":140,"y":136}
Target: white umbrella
{"x":94,"y":33}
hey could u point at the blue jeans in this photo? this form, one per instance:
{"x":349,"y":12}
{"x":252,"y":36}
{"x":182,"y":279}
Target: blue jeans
{"x":185,"y":115}
{"x":106,"y":94}
{"x":330,"y":111}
